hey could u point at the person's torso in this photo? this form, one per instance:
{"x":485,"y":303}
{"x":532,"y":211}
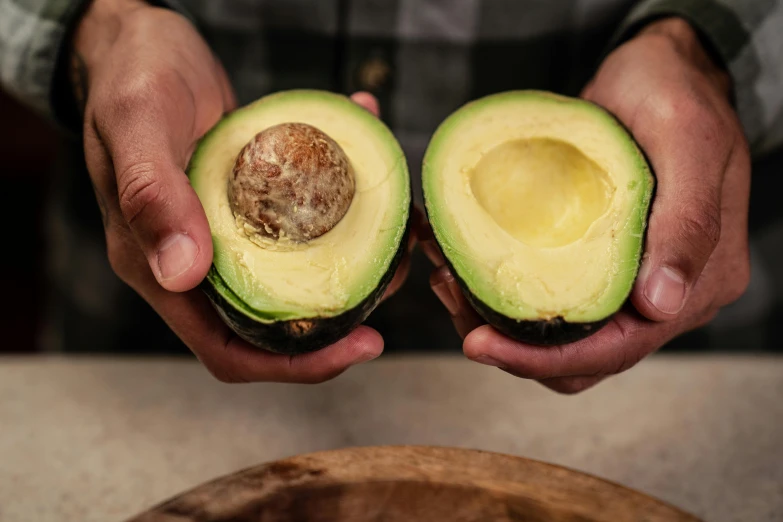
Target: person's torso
{"x":421,"y":58}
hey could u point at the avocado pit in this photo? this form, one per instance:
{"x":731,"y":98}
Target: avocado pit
{"x":291,"y":182}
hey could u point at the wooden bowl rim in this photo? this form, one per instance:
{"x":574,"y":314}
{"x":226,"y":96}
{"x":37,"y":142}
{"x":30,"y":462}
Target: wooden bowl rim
{"x":340,"y":466}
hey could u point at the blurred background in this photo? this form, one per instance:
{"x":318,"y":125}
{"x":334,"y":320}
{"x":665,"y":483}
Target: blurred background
{"x":31,"y":152}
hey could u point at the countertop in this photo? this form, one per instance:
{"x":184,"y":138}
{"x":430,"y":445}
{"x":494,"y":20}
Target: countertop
{"x":101,"y":439}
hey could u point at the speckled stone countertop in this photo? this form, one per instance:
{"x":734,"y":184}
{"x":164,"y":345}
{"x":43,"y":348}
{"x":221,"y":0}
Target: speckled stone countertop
{"x":102,"y":439}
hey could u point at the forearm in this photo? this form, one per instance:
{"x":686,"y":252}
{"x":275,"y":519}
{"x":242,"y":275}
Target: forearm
{"x":744,"y":36}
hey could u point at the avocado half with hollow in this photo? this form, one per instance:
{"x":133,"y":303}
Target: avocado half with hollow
{"x":308,"y":200}
{"x":539,"y":203}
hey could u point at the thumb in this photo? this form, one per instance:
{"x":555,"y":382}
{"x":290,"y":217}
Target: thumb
{"x":156,"y":199}
{"x":168,"y":221}
{"x":689,"y":147}
{"x":684,"y":231}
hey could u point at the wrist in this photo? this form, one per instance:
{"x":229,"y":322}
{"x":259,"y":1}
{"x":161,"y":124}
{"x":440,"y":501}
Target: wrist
{"x":92,"y":37}
{"x":689,"y":44}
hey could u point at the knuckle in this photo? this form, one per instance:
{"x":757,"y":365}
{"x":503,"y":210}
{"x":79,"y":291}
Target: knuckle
{"x":701,"y":226}
{"x":132,"y":94}
{"x":617,"y":364}
{"x":626,"y":331}
{"x":136,"y":95}
{"x":628,"y":354}
{"x":140,"y":190}
{"x":629,"y":359}
{"x":672,"y":106}
{"x":689,"y":112}
{"x":119,"y":106}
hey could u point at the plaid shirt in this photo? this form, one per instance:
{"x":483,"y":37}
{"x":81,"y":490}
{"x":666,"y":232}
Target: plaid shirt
{"x":422,"y":58}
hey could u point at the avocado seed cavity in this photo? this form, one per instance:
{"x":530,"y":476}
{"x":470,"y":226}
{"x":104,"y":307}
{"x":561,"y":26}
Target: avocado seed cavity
{"x":544,"y":192}
{"x":291,"y":182}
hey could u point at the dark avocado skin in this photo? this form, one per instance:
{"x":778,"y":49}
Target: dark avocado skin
{"x":300,"y":336}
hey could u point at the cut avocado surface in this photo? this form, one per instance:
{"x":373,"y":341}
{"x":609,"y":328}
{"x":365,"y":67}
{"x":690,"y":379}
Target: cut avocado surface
{"x":539,"y":203}
{"x":279,"y":282}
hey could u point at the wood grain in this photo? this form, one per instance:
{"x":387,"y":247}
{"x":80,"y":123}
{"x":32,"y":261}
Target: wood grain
{"x":411,"y":484}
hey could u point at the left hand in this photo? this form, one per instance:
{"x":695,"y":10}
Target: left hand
{"x":676,"y":102}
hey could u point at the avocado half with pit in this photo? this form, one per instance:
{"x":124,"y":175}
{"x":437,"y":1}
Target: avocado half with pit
{"x":308,"y":200}
{"x":539,"y":203}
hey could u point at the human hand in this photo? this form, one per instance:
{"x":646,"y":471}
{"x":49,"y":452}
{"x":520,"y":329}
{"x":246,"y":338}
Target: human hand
{"x":150,"y":88}
{"x":676,"y":102}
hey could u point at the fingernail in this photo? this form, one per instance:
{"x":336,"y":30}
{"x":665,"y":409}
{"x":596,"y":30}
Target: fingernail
{"x":444,"y":294}
{"x":489,"y":361}
{"x":666,"y":290}
{"x":175,"y":255}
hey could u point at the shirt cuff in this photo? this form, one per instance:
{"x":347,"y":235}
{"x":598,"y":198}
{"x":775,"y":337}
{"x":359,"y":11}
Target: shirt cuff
{"x":31,"y":35}
{"x":34,"y":60}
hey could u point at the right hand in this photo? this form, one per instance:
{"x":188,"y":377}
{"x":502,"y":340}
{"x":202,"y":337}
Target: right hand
{"x":150,"y":88}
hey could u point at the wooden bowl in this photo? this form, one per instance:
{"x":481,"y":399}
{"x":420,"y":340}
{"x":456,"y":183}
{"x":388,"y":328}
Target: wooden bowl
{"x":411,"y":484}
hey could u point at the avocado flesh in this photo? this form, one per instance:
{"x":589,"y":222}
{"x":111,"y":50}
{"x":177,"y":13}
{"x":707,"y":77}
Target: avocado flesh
{"x":277,"y":294}
{"x":539,"y":203}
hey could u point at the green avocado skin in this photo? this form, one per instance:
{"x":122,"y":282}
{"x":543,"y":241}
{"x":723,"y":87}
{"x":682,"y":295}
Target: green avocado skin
{"x":300,"y":336}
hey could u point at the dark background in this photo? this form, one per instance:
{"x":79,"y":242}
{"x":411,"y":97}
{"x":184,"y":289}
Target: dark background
{"x":413,"y":320}
{"x":28,"y":146}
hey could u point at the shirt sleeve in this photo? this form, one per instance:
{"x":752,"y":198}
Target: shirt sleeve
{"x":33,"y":36}
{"x":747,"y":36}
